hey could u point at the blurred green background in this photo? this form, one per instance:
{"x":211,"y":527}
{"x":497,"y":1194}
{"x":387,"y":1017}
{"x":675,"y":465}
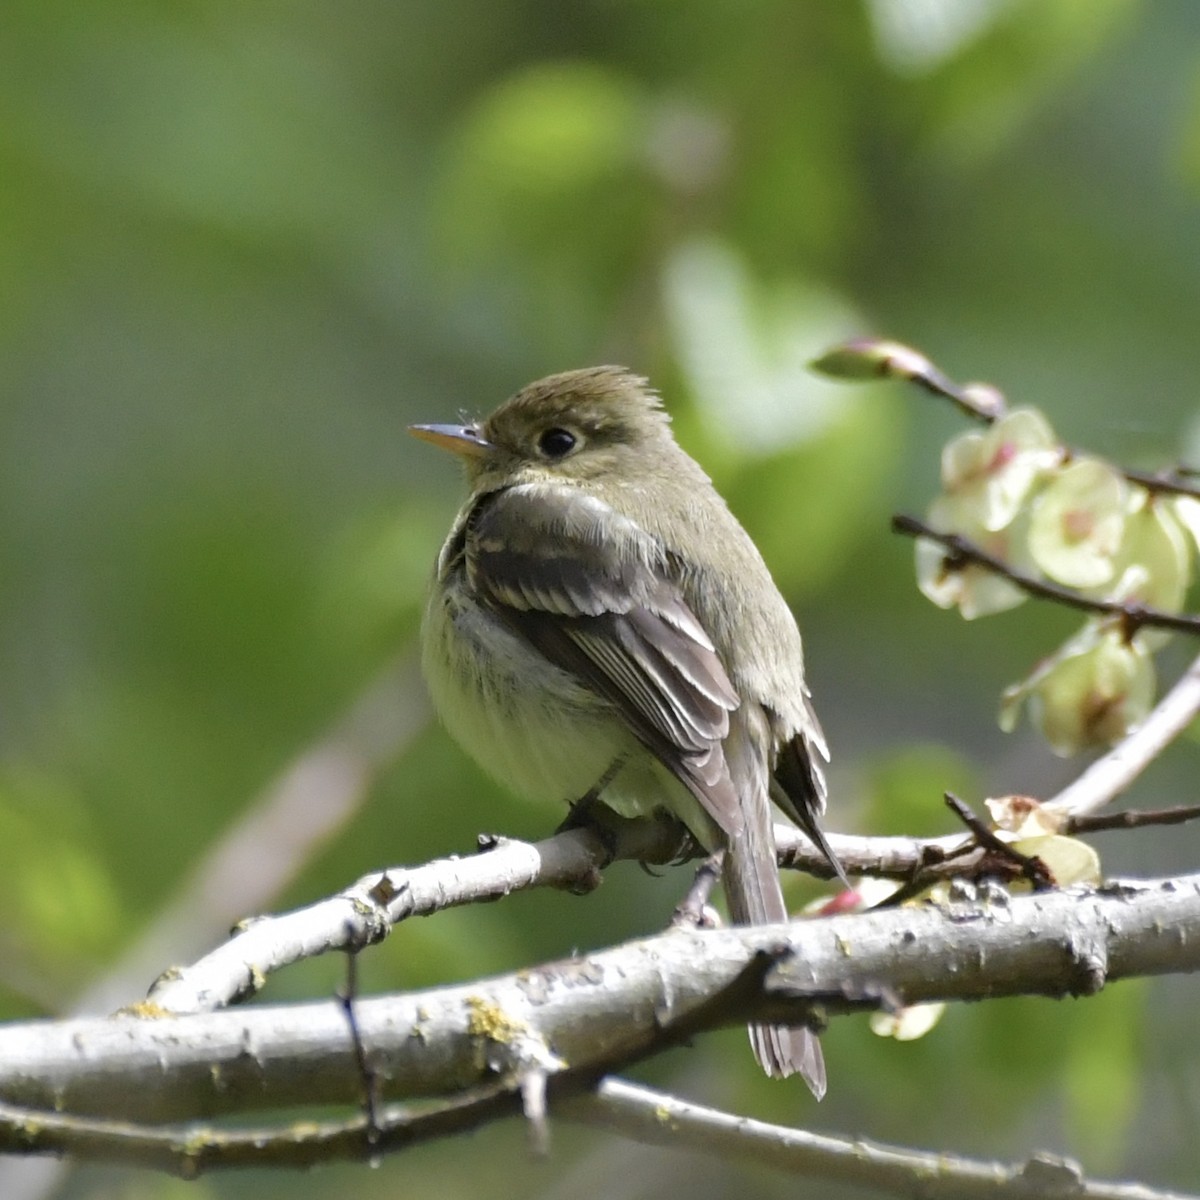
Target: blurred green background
{"x":241,"y":246}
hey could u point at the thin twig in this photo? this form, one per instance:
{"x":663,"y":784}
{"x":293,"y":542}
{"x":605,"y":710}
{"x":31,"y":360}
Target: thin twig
{"x":664,"y":1120}
{"x":368,"y":910}
{"x":634,"y":1111}
{"x":369,"y":1079}
{"x":1133,"y":819}
{"x":881,"y":857}
{"x":1030,"y":868}
{"x":877,"y":358}
{"x":693,"y":910}
{"x":865,"y":358}
{"x":1168,"y":481}
{"x":963,"y":550}
{"x":968,"y":861}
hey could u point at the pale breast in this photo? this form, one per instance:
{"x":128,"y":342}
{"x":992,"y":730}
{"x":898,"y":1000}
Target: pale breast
{"x":525,"y":721}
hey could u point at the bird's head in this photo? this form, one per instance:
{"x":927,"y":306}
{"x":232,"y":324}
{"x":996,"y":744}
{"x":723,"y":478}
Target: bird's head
{"x":585,"y":427}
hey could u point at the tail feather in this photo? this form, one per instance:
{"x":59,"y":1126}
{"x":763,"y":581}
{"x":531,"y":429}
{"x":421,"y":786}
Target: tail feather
{"x":799,"y":789}
{"x":782,"y":1051}
{"x":751,"y":878}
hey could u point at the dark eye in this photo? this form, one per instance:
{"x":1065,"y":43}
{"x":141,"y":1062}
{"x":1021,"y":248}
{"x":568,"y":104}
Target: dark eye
{"x":555,"y":443}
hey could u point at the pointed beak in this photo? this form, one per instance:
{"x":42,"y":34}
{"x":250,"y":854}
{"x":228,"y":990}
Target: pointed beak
{"x":463,"y":440}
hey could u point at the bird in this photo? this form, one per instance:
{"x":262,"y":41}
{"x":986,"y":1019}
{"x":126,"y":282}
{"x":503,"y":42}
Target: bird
{"x":601,"y":625}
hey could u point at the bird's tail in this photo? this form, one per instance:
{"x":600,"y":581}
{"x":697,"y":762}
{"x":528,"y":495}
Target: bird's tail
{"x":755,"y":898}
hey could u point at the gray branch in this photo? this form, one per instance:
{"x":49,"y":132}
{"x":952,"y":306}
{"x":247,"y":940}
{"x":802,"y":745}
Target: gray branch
{"x":368,"y":910}
{"x":662,"y":1120}
{"x":581,"y":1018}
{"x":635,"y":1112}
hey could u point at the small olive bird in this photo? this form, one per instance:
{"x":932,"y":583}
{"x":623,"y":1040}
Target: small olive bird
{"x":601,"y":624}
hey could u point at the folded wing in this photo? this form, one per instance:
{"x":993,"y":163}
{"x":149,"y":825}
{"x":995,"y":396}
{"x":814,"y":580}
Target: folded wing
{"x":591,"y":591}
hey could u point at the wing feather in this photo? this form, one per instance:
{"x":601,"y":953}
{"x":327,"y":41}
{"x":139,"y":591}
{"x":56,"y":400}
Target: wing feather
{"x":593,"y":593}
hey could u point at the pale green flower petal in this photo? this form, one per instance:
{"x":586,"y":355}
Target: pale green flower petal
{"x":1094,"y":698}
{"x":1187,"y":509}
{"x":994,"y":472}
{"x":908,"y":1023}
{"x":1068,"y":860}
{"x":963,"y":460}
{"x":974,"y":590}
{"x":1078,"y":522}
{"x":1013,"y":698}
{"x":1155,"y":541}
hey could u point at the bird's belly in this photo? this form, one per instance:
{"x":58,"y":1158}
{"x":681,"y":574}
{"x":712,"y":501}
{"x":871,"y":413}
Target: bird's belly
{"x":525,"y":721}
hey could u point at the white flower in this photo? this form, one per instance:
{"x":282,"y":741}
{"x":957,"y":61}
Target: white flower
{"x":1154,"y":560}
{"x":1078,"y":522}
{"x":976,"y":591}
{"x":1090,"y":693}
{"x":992,"y":473}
